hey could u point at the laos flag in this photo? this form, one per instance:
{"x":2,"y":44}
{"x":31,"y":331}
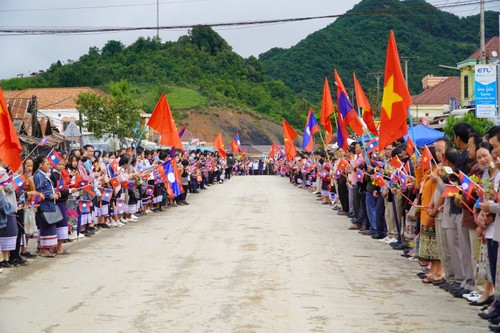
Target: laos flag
{"x":54,"y":158}
{"x":311,"y":128}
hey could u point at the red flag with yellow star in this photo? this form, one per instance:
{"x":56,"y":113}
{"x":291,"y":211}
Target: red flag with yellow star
{"x":426,"y":159}
{"x":289,"y":134}
{"x":450,"y":191}
{"x":220,"y":146}
{"x":10,"y":146}
{"x":396,"y":99}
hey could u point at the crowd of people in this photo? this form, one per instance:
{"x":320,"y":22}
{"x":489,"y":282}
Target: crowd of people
{"x":57,"y":197}
{"x":438,"y":204}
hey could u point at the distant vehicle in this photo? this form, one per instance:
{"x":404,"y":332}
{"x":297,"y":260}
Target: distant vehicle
{"x":461,"y":112}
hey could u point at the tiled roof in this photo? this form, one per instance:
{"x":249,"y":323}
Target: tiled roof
{"x":440,"y":93}
{"x":52,"y":98}
{"x":491,"y":45}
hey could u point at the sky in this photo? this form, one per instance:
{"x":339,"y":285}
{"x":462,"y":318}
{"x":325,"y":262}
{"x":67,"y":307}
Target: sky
{"x":24,"y":54}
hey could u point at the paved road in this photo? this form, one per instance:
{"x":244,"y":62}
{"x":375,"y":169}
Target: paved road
{"x":252,"y":255}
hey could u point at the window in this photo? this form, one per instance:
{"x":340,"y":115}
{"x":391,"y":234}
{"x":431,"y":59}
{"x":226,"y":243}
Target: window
{"x":466,"y":86}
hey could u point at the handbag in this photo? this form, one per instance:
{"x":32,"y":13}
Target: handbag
{"x":53,"y":217}
{"x":29,"y":221}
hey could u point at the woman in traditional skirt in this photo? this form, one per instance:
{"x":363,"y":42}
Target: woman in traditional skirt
{"x":61,"y":186}
{"x":8,"y":222}
{"x":428,"y":247}
{"x":43,"y":184}
{"x":30,"y":192}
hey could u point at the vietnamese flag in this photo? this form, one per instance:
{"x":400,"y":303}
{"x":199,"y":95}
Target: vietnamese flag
{"x":410,"y":146}
{"x":396,"y":99}
{"x":349,"y":115}
{"x":396,"y":162}
{"x":364,"y":104}
{"x":220,"y":146}
{"x":114,"y":182}
{"x":163,"y":122}
{"x":426,"y":159}
{"x":274,"y":149}
{"x":289,"y":135}
{"x":450,"y":191}
{"x":10,"y":146}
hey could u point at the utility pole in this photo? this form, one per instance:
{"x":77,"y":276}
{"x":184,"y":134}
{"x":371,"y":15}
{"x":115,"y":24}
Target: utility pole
{"x":481,"y":29}
{"x":378,"y":76}
{"x":406,"y":59}
{"x":158,"y":19}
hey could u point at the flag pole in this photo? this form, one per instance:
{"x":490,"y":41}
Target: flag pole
{"x":412,"y":132}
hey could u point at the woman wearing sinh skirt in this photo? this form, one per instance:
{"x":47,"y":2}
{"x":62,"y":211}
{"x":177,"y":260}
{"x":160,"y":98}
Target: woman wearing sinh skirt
{"x":8,"y":222}
{"x":43,"y":184}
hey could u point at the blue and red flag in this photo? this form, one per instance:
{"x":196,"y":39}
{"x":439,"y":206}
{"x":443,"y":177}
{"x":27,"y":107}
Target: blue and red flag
{"x":372,"y":145}
{"x":182,"y":130}
{"x":311,"y":128}
{"x":235,"y":144}
{"x":467,"y":184}
{"x":149,"y":190}
{"x":44,"y":141}
{"x":54,"y":158}
{"x":361,"y":177}
{"x":85,"y":206}
{"x":172,"y":178}
{"x":120,"y":204}
{"x":19,"y":183}
{"x":35,"y":200}
{"x":106,"y":194}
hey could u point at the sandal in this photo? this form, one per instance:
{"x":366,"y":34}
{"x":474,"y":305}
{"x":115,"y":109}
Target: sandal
{"x":427,"y":280}
{"x":64,"y":251}
{"x":47,"y":255}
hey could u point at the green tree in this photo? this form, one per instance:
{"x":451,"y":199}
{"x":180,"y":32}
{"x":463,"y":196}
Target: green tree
{"x":480,"y":125}
{"x":116,"y":115}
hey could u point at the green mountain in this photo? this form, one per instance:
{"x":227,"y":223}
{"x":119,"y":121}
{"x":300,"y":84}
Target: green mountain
{"x":357,"y":42}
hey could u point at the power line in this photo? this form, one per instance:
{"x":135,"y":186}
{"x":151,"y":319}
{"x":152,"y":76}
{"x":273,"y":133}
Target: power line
{"x":96,"y":7}
{"x":55,"y":31}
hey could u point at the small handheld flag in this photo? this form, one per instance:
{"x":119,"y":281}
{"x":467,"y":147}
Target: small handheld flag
{"x":54,"y":158}
{"x":19,"y":183}
{"x":106,"y":195}
{"x":85,"y":206}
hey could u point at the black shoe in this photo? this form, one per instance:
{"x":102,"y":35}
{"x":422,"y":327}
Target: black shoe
{"x":494,"y":328}
{"x":439,"y":282}
{"x":398,"y":246}
{"x":6,"y":264}
{"x":13,"y":262}
{"x":488,"y":301}
{"x":28,"y":255}
{"x":377,"y":236}
{"x":19,"y":261}
{"x":421,"y":275}
{"x":103,"y":225}
{"x":489,"y":316}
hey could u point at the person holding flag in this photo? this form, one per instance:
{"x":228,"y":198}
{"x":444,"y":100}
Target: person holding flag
{"x":46,"y":222}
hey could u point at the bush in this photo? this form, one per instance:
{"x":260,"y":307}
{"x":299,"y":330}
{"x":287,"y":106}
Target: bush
{"x":480,"y":125}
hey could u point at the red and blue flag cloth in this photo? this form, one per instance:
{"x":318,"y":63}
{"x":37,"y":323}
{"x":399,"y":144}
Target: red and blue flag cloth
{"x":467,"y":184}
{"x":129,"y":184}
{"x":361,"y":177}
{"x":404,"y":180}
{"x":171,"y":176}
{"x":149,"y":190}
{"x":372,"y":145}
{"x":120,"y":204}
{"x":236,"y":144}
{"x":89,"y":190}
{"x":35,"y":200}
{"x":54,"y":158}
{"x":311,"y":128}
{"x":377,"y":164}
{"x":44,"y":141}
{"x":113,"y":168}
{"x":106,"y":195}
{"x":85,"y":206}
{"x":19,"y":183}
{"x":379,"y":180}
{"x":182,"y":130}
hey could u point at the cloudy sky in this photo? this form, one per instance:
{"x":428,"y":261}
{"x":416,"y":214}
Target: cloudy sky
{"x":23,"y":54}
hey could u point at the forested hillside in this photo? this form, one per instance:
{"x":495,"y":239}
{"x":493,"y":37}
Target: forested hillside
{"x":202,"y":72}
{"x":357,"y":43}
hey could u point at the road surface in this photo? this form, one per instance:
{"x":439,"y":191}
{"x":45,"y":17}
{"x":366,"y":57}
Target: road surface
{"x":254,"y":254}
